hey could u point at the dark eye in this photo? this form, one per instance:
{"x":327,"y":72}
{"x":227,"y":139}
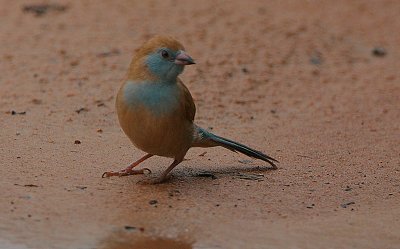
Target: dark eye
{"x":164,"y":54}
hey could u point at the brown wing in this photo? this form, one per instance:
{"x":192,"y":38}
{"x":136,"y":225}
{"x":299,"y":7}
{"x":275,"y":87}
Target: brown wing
{"x":188,"y":104}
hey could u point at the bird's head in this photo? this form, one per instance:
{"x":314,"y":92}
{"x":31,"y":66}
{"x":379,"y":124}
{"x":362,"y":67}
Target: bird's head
{"x":162,"y":58}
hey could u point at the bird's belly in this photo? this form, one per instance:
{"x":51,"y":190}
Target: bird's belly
{"x":151,"y":116}
{"x":167,"y":136}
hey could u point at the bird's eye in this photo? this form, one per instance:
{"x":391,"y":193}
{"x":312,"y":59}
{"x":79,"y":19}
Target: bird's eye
{"x":164,"y":54}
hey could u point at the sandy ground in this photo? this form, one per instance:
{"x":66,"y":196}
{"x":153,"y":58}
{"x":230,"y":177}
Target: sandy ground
{"x":295,"y":79}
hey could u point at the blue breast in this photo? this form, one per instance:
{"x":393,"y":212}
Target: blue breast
{"x":159,"y":98}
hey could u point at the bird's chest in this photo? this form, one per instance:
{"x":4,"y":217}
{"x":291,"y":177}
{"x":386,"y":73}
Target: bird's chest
{"x":151,"y":117}
{"x":160,"y":99}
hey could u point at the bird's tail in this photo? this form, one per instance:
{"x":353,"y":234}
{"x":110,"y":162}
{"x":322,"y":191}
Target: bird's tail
{"x":207,"y":139}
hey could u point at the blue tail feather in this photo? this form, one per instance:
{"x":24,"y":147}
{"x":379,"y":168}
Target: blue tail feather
{"x":237,"y":147}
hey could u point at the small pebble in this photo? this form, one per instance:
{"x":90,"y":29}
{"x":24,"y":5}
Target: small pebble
{"x":19,"y":113}
{"x":31,"y":185}
{"x":153,"y":202}
{"x":345,"y":205}
{"x":202,"y":154}
{"x":41,"y":9}
{"x":82,"y":109}
{"x":347,"y":188}
{"x":129,"y":228}
{"x":379,"y":52}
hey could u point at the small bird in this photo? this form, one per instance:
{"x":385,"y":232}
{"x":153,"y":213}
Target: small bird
{"x":156,"y":110}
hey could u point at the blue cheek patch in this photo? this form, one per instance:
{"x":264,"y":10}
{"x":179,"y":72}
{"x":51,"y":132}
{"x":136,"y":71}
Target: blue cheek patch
{"x":165,"y":70}
{"x":159,"y":98}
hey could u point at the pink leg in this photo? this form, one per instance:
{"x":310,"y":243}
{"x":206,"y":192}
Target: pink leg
{"x":164,"y":175}
{"x":129,"y":170}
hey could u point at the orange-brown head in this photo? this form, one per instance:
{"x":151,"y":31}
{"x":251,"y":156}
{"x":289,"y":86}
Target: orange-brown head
{"x":162,"y":58}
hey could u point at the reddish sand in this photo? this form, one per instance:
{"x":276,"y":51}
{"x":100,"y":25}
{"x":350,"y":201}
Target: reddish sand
{"x":295,"y":79}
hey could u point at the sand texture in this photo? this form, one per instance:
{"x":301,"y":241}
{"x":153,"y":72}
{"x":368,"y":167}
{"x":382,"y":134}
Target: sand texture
{"x":315,"y":84}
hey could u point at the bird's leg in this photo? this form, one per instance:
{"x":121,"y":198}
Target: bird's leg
{"x":129,"y":170}
{"x":164,"y":175}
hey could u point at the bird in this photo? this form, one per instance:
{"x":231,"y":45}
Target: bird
{"x":156,"y":110}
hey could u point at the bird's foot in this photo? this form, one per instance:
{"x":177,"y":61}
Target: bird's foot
{"x":126,"y":172}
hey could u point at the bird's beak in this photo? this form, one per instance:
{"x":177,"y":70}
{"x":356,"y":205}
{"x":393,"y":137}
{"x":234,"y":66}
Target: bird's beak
{"x":183,"y":59}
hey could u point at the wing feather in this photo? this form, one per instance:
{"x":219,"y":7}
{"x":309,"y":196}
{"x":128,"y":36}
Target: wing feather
{"x":187,"y":103}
